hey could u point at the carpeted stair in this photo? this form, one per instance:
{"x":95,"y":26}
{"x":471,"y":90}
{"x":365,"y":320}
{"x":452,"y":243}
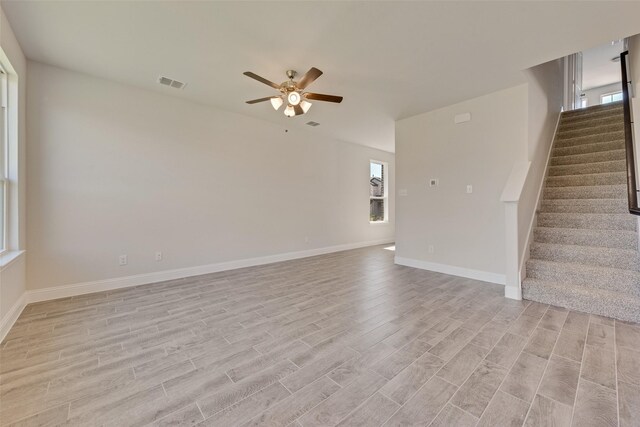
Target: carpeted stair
{"x":584,"y":254}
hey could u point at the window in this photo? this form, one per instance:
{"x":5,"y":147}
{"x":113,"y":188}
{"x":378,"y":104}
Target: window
{"x":378,"y":206}
{"x":610,"y":97}
{"x":4,"y":160}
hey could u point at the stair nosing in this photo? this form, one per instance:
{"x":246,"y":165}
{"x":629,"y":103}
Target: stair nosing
{"x":575,"y":265}
{"x":635,"y":233}
{"x":577,"y":247}
{"x":589,"y":163}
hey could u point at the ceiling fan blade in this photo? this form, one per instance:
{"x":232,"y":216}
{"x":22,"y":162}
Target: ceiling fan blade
{"x":309,"y":78}
{"x":261,"y":79}
{"x":322,"y":97}
{"x":298,"y":109}
{"x":255,"y":101}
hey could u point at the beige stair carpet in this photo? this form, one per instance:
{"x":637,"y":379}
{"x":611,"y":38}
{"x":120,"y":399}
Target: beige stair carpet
{"x":584,"y":254}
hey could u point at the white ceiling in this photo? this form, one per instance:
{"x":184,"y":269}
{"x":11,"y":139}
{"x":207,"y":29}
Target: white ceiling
{"x":389,"y":60}
{"x":597,"y":67}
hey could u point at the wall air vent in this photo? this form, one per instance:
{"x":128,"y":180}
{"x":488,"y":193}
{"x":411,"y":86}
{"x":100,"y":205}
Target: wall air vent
{"x":314,"y":124}
{"x":171,"y":83}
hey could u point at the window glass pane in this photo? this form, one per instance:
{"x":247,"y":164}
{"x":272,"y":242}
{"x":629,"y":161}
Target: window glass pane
{"x":376,"y":180}
{"x":376,"y":210}
{"x":605,"y":99}
{"x":617,"y":97}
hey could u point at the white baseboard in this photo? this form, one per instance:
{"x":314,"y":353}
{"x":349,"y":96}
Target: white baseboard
{"x":10,"y":318}
{"x":159,"y":276}
{"x":469,"y":273}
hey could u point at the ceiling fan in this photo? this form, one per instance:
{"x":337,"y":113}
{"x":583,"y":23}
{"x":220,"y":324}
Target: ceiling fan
{"x":293,"y":93}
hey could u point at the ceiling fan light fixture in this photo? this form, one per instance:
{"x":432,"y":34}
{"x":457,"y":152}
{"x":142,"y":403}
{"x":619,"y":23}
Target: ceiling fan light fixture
{"x":294,"y":98}
{"x":289,"y":111}
{"x":305,"y":105}
{"x":276,"y":102}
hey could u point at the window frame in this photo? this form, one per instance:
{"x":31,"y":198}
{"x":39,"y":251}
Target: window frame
{"x":610,"y":94}
{"x":385,"y":194}
{"x":4,"y":160}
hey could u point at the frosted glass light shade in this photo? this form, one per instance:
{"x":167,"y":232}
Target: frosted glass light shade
{"x":276,"y":102}
{"x":289,"y":112}
{"x":305,"y":106}
{"x":294,"y":98}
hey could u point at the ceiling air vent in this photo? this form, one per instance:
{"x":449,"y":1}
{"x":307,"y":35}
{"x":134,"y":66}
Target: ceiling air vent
{"x":314,"y":124}
{"x":171,"y":83}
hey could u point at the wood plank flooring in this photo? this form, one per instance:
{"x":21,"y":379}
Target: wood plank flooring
{"x":345,"y":339}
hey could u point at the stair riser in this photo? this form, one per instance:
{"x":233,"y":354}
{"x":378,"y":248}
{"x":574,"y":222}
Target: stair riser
{"x":602,"y":156}
{"x":602,"y":167}
{"x":626,"y":282}
{"x":624,"y":310}
{"x":614,"y":119}
{"x":603,"y":206}
{"x":586,"y":255}
{"x":598,"y":192}
{"x":614,"y":178}
{"x":595,"y":238}
{"x":588,"y":148}
{"x":588,"y":131}
{"x":592,"y":139}
{"x":586,"y":221}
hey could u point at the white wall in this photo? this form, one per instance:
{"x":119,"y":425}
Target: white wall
{"x":12,"y":274}
{"x":118,"y":170}
{"x":593,"y":95}
{"x":467,"y":231}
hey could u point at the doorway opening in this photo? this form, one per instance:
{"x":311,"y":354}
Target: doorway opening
{"x":593,"y":76}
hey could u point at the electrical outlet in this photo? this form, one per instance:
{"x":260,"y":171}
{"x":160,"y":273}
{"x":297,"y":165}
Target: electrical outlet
{"x":306,"y":239}
{"x":469,"y":189}
{"x":158,"y":256}
{"x":431,"y":249}
{"x":123,"y":260}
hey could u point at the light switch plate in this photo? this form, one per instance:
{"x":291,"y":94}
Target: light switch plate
{"x":402,"y":192}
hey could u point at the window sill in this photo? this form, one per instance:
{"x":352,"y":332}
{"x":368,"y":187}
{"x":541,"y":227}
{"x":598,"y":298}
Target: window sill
{"x":6,"y":258}
{"x":378,"y":222}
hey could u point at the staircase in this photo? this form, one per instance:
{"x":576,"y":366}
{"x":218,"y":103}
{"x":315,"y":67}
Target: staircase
{"x":584,"y":254}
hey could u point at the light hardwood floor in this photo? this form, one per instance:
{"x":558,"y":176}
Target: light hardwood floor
{"x":344,"y":339}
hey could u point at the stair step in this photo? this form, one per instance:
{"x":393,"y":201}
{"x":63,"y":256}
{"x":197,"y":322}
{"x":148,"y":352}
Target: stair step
{"x":597,"y":301}
{"x":596,"y":109}
{"x":618,"y":191}
{"x":609,"y":178}
{"x":591,"y":139}
{"x":626,"y":259}
{"x":585,"y":118}
{"x":587,"y":276}
{"x":588,"y":220}
{"x":582,"y":123}
{"x":600,"y":156}
{"x":588,"y":168}
{"x":622,"y":239}
{"x":601,"y":206}
{"x":596,"y":147}
{"x":591,"y":130}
